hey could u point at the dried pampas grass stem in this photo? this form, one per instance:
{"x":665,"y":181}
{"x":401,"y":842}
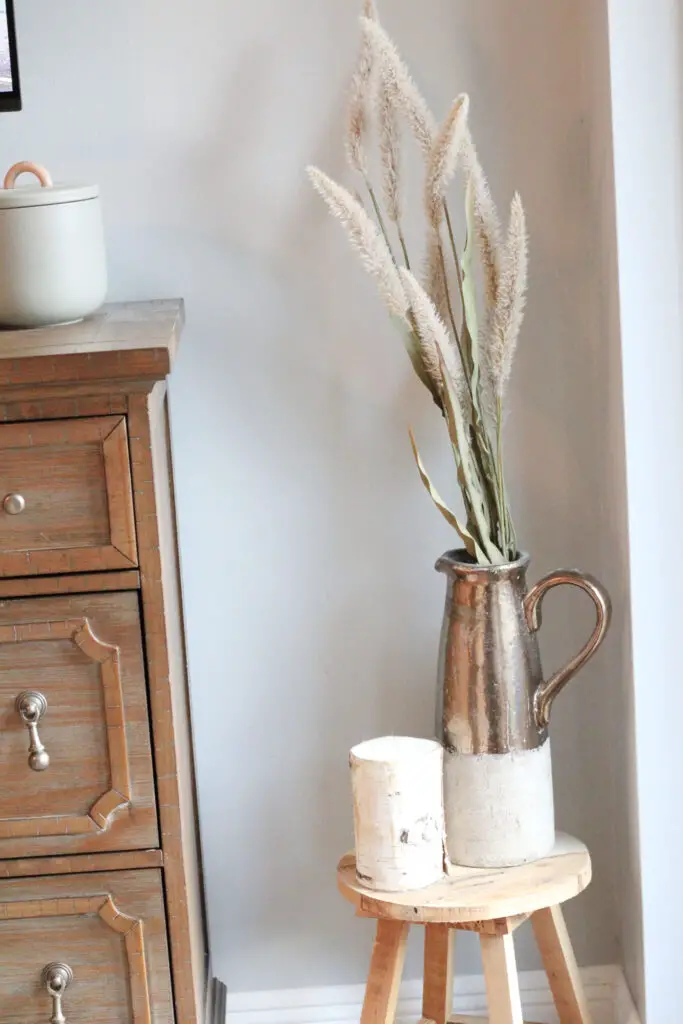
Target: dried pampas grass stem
{"x":434,"y":338}
{"x":401,"y":88}
{"x":360,"y":100}
{"x":443,"y":158}
{"x":486,"y":220}
{"x":508,"y":312}
{"x":366,"y":240}
{"x":466,"y":363}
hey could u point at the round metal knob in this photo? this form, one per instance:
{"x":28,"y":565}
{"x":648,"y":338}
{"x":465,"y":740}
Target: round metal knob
{"x":57,"y":977}
{"x":13,"y":504}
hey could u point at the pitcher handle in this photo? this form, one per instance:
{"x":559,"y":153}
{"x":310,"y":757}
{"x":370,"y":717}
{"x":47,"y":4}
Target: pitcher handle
{"x":548,"y":691}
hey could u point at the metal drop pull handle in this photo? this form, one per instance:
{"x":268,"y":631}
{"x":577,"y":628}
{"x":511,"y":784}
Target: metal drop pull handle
{"x":57,"y":978}
{"x":31,"y":706}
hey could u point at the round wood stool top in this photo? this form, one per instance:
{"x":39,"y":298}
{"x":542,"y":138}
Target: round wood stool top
{"x":477,"y":894}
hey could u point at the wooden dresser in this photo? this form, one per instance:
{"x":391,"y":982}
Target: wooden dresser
{"x":101,"y":908}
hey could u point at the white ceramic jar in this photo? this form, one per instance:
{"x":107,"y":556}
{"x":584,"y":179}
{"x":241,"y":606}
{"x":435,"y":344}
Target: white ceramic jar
{"x":52,"y":257}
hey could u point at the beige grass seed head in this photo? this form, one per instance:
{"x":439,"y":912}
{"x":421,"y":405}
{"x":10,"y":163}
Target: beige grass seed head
{"x":487,"y":222}
{"x":360,"y":99}
{"x":508,"y":312}
{"x":365,"y":239}
{"x":401,"y":88}
{"x":443,"y":159}
{"x":434,"y":336}
{"x":389,"y":148}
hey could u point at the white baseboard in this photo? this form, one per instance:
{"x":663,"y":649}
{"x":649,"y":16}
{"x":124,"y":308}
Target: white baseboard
{"x":606,"y":990}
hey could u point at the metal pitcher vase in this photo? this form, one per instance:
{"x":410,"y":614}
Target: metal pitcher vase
{"x":494,"y":707}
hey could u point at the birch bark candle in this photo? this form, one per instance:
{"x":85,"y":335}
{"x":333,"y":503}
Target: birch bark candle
{"x":398,"y":813}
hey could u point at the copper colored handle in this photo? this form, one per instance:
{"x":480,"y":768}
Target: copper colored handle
{"x":548,"y":691}
{"x":27,"y":167}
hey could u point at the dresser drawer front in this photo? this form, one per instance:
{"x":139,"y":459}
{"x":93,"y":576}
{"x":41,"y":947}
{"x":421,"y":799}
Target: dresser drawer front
{"x":83,"y":656}
{"x":109,"y":929}
{"x":65,"y":497}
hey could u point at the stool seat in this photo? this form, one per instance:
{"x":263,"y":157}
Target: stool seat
{"x":492,"y":902}
{"x":477,"y":894}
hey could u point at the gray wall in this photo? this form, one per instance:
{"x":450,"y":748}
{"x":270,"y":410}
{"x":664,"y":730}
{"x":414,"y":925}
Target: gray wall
{"x":645,"y":44}
{"x":312,"y":609}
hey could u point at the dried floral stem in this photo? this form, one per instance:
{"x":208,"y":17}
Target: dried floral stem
{"x":458,"y":274}
{"x":499,"y":469}
{"x":366,"y":239}
{"x":464,"y":366}
{"x":378,"y":214}
{"x":449,"y":304}
{"x":404,"y":247}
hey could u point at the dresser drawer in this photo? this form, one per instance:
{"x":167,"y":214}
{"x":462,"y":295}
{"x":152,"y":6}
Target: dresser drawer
{"x":65,"y":497}
{"x":109,"y":929}
{"x":78,"y":663}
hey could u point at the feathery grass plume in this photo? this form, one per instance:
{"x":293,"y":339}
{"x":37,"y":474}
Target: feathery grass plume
{"x":443,"y":158}
{"x":389,"y":152}
{"x":400,"y":86}
{"x":435,"y":341}
{"x":433,"y":278}
{"x":486,"y":220}
{"x":508,"y":311}
{"x":366,"y":239}
{"x":359,"y":101}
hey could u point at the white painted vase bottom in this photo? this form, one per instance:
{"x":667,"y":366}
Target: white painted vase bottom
{"x":499,"y":807}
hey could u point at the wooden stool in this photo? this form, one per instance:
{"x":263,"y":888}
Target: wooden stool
{"x":492,"y":902}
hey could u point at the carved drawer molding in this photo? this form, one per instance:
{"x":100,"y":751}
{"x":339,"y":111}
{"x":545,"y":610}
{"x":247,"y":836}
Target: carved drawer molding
{"x":66,"y":501}
{"x":102,"y":811}
{"x":78,"y":661}
{"x":103,"y":905}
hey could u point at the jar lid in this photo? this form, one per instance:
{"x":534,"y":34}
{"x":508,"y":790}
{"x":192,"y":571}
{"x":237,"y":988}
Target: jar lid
{"x":42,"y":193}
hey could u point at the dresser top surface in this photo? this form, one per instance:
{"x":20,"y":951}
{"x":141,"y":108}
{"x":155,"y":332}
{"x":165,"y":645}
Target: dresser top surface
{"x":124,"y":339}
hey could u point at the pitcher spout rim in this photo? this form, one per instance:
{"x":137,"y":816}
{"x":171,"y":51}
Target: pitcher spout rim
{"x":457,"y":562}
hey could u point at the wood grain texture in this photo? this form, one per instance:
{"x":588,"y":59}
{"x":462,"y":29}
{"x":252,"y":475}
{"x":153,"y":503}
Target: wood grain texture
{"x":437,"y":991}
{"x":27,"y":867}
{"x":75,"y":478}
{"x":62,"y":403}
{"x":133,"y":341}
{"x":560,"y":965}
{"x":84,"y":583}
{"x":108,"y":927}
{"x":84,"y":654}
{"x":465,"y":1019}
{"x":386,"y":968}
{"x":502,"y":983}
{"x":478,"y":894}
{"x":109,"y":366}
{"x":496,"y":926}
{"x":171,"y":722}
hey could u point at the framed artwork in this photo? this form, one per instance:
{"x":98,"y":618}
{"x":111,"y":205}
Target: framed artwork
{"x":10,"y":90}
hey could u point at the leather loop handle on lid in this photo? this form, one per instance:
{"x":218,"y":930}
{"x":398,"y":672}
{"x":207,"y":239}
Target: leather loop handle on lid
{"x":27,"y":167}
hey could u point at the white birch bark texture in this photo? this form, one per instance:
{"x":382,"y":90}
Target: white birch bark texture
{"x":398,"y":812}
{"x":499,"y":807}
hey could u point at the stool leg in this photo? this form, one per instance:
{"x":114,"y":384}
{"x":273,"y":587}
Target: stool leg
{"x":437,"y":991}
{"x":560,"y":965}
{"x":386,"y":967}
{"x":502,"y":984}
